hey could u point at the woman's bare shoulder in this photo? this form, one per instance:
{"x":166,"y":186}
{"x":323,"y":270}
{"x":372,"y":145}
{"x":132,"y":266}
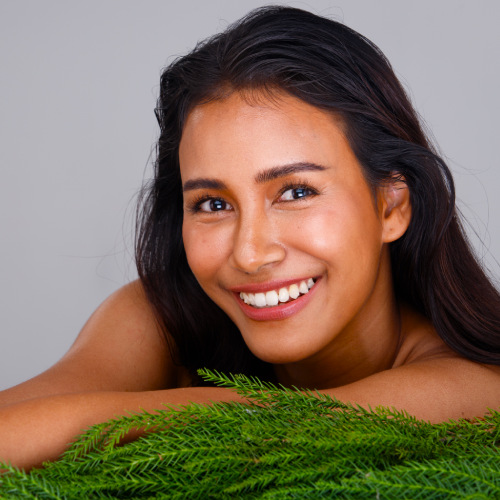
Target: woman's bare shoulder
{"x":124,"y":341}
{"x":436,"y":390}
{"x":428,"y":379}
{"x":120,"y":348}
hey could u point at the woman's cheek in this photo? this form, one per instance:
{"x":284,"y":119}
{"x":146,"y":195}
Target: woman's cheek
{"x":206,"y":250}
{"x":316,"y":231}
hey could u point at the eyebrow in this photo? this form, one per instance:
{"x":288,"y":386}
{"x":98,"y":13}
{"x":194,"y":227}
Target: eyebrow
{"x":284,"y":170}
{"x":262,"y":177}
{"x":203,"y":183}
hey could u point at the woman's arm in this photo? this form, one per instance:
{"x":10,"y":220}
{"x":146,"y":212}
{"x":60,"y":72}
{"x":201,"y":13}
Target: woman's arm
{"x":119,"y":363}
{"x":41,"y":429}
{"x":436,"y":390}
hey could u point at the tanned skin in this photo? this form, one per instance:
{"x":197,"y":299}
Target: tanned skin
{"x":41,"y":417}
{"x":353,"y":340}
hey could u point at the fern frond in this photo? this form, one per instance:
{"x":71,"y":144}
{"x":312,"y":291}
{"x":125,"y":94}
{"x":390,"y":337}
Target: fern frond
{"x":283,"y":444}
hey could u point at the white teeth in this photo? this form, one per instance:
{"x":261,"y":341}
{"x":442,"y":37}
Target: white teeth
{"x":274,"y":297}
{"x":284,"y":296}
{"x":294,"y":291}
{"x":260,"y":300}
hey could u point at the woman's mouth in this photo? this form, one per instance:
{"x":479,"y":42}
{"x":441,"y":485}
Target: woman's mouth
{"x":272,"y":298}
{"x":279,"y":303}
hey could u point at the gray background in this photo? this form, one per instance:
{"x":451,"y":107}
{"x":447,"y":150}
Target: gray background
{"x":78,"y":83}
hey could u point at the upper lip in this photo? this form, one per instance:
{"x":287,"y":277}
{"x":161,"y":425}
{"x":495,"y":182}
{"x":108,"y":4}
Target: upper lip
{"x":268,"y":285}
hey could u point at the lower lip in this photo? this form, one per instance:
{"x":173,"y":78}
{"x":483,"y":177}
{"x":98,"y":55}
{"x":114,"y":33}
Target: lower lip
{"x":281,"y":311}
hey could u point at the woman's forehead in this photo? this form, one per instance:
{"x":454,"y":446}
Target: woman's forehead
{"x":282,"y":125}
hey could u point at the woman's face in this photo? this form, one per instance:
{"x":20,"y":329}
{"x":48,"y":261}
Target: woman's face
{"x":280,"y":227}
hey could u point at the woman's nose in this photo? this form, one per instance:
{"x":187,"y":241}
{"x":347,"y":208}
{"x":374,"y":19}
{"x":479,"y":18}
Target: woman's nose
{"x":256,"y":244}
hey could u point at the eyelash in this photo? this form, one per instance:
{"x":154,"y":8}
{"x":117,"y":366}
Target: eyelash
{"x":195,"y":205}
{"x":298,"y":185}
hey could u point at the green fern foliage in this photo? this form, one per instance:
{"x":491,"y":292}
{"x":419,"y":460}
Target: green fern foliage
{"x":283,"y":444}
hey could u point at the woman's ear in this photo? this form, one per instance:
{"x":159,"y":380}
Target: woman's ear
{"x":394,"y":208}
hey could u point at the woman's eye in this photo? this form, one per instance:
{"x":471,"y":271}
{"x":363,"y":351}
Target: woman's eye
{"x":295,"y":193}
{"x":214,"y":205}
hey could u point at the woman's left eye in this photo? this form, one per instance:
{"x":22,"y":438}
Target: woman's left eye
{"x":296,"y":193}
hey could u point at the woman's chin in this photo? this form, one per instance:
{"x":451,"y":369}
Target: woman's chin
{"x":279,"y":353}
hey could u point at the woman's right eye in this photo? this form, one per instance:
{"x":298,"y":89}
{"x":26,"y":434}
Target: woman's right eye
{"x":214,"y":205}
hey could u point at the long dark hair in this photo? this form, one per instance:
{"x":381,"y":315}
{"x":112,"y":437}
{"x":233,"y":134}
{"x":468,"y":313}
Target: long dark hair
{"x":330,"y":66}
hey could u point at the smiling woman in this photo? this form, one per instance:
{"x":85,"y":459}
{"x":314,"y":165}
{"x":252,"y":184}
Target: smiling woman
{"x":300,"y":228}
{"x":288,"y":204}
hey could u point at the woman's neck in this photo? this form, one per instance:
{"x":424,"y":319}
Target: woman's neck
{"x":363,"y":348}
